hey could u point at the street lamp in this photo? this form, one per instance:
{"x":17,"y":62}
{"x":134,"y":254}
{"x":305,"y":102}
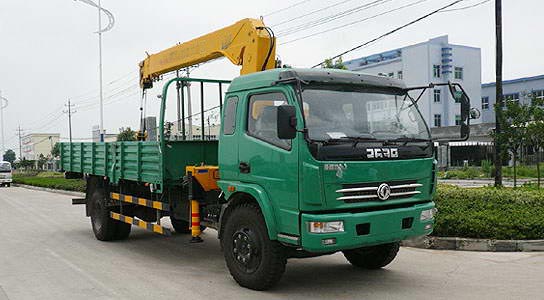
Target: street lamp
{"x":3,"y":104}
{"x":111,"y":22}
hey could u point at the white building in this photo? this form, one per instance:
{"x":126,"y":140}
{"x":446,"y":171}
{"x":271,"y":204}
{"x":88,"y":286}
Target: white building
{"x":435,"y":61}
{"x":521,"y":90}
{"x":35,"y":144}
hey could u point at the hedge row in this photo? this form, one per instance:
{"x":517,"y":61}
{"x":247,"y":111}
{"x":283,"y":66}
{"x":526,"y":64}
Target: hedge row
{"x":77,"y":185}
{"x":489,"y":213}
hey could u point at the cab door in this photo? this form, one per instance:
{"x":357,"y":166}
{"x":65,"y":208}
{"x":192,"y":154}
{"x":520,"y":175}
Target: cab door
{"x":268,"y":161}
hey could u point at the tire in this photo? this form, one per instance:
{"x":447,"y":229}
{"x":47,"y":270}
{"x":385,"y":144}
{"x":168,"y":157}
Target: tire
{"x":104,"y":227}
{"x":182,"y":226}
{"x":254,"y":261}
{"x":374,"y":257}
{"x":8,"y":184}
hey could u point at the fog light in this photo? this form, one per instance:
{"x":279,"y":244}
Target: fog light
{"x":428,"y":214}
{"x":330,"y":241}
{"x":326,"y":227}
{"x":428,"y":226}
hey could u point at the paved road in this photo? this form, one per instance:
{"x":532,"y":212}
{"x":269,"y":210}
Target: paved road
{"x":47,"y":251}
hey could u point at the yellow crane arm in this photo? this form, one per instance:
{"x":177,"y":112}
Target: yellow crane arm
{"x":246,"y":43}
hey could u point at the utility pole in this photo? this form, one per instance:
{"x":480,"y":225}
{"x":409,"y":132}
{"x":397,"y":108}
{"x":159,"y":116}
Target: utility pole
{"x":69,"y":112}
{"x":20,"y":134}
{"x":100,"y":73}
{"x":3,"y":104}
{"x":498,"y":92}
{"x":111,"y":22}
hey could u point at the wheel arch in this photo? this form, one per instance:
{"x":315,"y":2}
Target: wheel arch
{"x":249,"y":193}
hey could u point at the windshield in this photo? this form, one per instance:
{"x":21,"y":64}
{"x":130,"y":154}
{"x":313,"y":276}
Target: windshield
{"x":5,"y":167}
{"x":361,"y":114}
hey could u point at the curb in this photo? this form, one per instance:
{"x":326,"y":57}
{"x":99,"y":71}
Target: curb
{"x":42,"y":189}
{"x":466,"y":244}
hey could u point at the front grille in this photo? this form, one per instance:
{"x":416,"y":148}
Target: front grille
{"x":364,"y":192}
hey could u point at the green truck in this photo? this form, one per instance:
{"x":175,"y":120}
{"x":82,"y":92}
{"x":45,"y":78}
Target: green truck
{"x":308,"y":162}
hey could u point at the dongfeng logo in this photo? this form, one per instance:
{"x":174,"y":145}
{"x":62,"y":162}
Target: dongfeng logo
{"x":384,"y":191}
{"x":382,"y":152}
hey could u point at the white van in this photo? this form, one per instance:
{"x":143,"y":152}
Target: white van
{"x":5,"y":174}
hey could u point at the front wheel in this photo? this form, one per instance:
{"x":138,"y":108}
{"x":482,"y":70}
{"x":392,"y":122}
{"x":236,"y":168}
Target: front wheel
{"x":254,"y":261}
{"x":374,"y":257}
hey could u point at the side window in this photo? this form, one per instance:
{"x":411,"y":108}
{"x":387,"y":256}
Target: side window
{"x":262,"y":120}
{"x":229,"y":123}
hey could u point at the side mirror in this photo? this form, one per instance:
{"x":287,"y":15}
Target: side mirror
{"x":287,"y":122}
{"x":461,"y":97}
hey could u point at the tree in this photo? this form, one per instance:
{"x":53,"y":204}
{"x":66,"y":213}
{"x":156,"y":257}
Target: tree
{"x":55,"y":152}
{"x":330,"y":64}
{"x":126,"y":135}
{"x":535,"y":131}
{"x":9,"y":156}
{"x":513,"y":135}
{"x":42,"y":160}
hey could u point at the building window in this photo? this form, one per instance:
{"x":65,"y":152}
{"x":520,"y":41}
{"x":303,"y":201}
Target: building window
{"x":485,"y":102}
{"x":436,"y":96}
{"x":513,"y":97}
{"x":437,"y":120}
{"x":457,"y":120}
{"x":391,"y":75}
{"x":458,"y":73}
{"x":436,"y":71}
{"x":399,"y":74}
{"x":538,"y":95}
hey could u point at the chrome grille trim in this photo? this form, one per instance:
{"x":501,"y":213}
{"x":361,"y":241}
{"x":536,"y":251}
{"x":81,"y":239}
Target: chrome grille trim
{"x":405,"y":193}
{"x":363,"y":189}
{"x":357,"y":197}
{"x":406,"y":188}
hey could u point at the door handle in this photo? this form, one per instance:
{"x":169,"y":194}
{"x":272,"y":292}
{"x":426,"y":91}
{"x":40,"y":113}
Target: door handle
{"x":244,"y":167}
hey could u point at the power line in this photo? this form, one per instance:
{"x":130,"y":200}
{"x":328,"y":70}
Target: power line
{"x":466,"y":7}
{"x":355,"y":22}
{"x":286,"y":8}
{"x":392,"y":31}
{"x":331,"y":18}
{"x":310,"y":13}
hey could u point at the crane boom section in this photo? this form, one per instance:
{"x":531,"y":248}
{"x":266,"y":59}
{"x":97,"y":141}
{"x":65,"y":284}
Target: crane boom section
{"x":246,"y":43}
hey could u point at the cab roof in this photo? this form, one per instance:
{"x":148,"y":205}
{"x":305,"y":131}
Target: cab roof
{"x":316,"y":76}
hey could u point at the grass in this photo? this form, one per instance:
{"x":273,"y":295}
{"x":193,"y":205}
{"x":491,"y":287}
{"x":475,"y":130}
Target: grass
{"x":492,"y":213}
{"x":487,"y":172}
{"x":52,"y":180}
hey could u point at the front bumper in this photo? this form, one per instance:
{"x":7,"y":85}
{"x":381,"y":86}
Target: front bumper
{"x":5,"y":180}
{"x":385,"y":226}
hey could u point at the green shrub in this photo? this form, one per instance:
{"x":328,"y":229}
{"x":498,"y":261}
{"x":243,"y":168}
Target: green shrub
{"x":57,"y":183}
{"x":489,"y":212}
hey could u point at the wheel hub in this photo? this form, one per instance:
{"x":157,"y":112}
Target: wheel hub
{"x":245,"y":249}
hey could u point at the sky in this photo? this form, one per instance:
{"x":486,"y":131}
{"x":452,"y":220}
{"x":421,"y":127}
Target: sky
{"x":49,"y":51}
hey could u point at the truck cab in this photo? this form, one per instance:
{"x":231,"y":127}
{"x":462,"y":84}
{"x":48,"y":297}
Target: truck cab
{"x":5,"y":174}
{"x":336,"y":159}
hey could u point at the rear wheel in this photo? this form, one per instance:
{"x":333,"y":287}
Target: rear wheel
{"x":374,"y":257}
{"x":104,"y":227}
{"x":8,"y":184}
{"x":255,"y":261}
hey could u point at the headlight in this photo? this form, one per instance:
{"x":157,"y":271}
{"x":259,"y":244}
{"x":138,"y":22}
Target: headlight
{"x":428,"y":214}
{"x":326,"y":227}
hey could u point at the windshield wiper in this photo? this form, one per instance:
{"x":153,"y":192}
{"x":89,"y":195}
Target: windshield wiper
{"x":407,"y":140}
{"x":354,"y":139}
